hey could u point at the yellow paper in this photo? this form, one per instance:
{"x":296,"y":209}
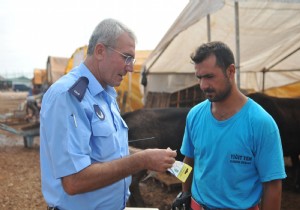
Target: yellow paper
{"x":184,"y":172}
{"x":181,"y":170}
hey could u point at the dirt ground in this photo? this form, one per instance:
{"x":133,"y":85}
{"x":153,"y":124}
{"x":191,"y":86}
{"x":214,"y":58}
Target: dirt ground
{"x":20,"y":173}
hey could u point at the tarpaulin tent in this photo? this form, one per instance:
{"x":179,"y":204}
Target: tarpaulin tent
{"x":55,"y":68}
{"x":129,"y":92}
{"x":263,"y":34}
{"x":39,"y":77}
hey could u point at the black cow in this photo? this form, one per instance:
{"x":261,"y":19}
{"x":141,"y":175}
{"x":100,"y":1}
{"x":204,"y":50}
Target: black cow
{"x":154,"y":128}
{"x":286,"y":113}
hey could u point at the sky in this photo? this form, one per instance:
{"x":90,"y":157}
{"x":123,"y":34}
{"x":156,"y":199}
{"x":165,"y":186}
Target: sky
{"x":32,"y":30}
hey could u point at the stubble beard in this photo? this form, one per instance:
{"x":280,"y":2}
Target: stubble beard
{"x":213,"y":96}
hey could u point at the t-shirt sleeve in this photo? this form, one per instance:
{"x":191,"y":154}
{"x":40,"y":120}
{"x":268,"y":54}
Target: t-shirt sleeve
{"x":269,"y":154}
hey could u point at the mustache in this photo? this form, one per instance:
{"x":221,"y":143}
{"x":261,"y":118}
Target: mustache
{"x":208,"y":90}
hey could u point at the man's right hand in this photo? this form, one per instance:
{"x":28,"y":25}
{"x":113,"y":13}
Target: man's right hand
{"x":182,"y":201}
{"x":159,"y":160}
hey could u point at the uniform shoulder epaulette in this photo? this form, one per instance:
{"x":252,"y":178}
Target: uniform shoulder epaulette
{"x":79,"y":88}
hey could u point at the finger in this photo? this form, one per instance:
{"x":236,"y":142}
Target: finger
{"x":170,"y":161}
{"x":167,"y":166}
{"x":172,"y":153}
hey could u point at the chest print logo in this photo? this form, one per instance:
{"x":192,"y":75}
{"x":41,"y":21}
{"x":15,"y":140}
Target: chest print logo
{"x":99,"y":112}
{"x":240,"y":159}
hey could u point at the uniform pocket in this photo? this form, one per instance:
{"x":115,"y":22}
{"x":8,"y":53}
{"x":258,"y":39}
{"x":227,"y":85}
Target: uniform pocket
{"x":102,"y":128}
{"x":103,"y":144}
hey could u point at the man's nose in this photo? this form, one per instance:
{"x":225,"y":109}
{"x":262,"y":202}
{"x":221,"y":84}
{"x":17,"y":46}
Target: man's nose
{"x":203,"y":84}
{"x":129,"y":68}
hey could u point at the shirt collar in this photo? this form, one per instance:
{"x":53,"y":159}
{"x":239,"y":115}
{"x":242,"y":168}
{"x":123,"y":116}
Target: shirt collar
{"x":94,"y":86}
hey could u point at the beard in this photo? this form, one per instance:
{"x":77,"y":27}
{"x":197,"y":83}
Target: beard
{"x":218,"y":96}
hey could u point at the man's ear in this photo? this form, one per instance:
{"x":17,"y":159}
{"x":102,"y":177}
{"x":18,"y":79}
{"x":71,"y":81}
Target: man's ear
{"x":231,"y":70}
{"x":99,"y":51}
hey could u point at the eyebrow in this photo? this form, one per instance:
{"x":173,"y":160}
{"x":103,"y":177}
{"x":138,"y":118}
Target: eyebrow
{"x":128,"y":54}
{"x":204,"y":76}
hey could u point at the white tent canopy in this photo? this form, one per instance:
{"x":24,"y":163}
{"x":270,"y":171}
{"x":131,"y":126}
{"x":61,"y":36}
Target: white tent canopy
{"x":269,"y":41}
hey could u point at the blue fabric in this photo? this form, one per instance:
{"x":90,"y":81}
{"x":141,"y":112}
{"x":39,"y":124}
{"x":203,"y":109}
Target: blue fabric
{"x":232,"y":157}
{"x":73,"y":136}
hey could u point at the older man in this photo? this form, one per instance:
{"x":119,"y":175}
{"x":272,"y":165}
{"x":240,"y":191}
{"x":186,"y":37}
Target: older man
{"x":85,"y":162}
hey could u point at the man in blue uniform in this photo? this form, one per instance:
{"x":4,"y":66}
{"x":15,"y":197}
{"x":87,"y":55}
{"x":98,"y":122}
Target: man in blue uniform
{"x":232,"y":143}
{"x":85,"y":162}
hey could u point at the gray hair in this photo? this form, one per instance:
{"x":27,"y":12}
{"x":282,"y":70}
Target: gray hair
{"x":107,"y":32}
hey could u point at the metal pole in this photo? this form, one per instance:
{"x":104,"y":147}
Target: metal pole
{"x":237,"y":43}
{"x":130,"y":91}
{"x":208,"y":28}
{"x":264,"y":78}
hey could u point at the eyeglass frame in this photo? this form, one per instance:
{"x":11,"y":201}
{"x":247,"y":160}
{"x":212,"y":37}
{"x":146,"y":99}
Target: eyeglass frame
{"x":129,"y":60}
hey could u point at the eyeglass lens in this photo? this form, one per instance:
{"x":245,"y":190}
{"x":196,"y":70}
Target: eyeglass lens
{"x":129,"y":60}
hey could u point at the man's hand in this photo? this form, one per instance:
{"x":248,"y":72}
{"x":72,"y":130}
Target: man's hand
{"x":182,"y":201}
{"x":159,"y":160}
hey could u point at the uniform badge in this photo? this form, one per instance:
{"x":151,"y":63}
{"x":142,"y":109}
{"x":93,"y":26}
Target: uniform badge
{"x":99,"y":112}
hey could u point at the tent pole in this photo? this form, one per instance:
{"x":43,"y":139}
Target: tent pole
{"x":129,"y":90}
{"x":237,"y":43}
{"x":269,"y":69}
{"x":263,"y":84}
{"x":208,"y":28}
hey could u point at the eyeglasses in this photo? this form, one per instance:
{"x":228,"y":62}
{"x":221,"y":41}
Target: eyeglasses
{"x":129,"y":60}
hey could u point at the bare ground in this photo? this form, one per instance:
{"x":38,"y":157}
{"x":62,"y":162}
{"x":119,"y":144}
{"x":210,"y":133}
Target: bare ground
{"x":20,"y":173}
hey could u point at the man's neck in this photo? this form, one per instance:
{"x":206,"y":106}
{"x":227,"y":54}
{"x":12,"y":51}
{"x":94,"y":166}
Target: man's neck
{"x":228,"y":107}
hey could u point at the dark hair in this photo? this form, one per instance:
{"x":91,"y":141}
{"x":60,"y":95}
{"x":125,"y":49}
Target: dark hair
{"x":224,"y":56}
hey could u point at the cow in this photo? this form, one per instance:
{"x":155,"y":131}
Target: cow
{"x":154,"y":128}
{"x":286,"y":113}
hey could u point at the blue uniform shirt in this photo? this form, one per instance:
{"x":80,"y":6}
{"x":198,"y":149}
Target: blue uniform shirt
{"x":232,"y":157}
{"x":75,"y":134}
